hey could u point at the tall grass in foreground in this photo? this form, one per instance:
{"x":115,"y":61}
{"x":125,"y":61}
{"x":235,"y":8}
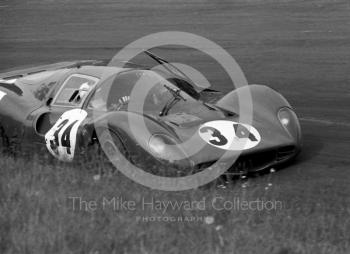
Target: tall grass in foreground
{"x":37,"y":215}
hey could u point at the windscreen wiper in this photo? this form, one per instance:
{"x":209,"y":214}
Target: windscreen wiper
{"x":164,"y":63}
{"x":176,"y":97}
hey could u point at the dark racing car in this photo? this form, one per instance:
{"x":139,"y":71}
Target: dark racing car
{"x":158,"y":115}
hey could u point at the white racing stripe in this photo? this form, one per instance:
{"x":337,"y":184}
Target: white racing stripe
{"x":2,"y":94}
{"x":8,"y":81}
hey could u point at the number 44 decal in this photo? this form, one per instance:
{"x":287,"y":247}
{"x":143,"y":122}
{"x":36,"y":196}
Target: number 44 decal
{"x":61,"y":138}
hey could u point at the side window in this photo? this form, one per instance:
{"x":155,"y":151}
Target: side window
{"x":74,"y":90}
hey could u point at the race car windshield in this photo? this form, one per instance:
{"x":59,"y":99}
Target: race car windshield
{"x":147,"y":89}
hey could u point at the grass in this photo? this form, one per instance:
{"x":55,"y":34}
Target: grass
{"x":298,"y":47}
{"x":37,"y":215}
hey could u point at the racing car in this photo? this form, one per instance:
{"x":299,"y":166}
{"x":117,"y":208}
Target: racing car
{"x":68,"y":106}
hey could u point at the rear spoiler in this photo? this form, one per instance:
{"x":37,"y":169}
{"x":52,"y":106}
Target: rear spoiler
{"x":15,"y":74}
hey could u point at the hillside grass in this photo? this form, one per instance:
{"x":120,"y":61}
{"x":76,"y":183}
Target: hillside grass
{"x":37,"y":215}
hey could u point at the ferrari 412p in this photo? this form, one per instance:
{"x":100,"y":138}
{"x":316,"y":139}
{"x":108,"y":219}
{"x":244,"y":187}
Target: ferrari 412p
{"x":66,"y":107}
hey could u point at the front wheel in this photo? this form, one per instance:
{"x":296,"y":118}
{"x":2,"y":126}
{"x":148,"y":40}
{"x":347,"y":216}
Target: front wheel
{"x":113,"y":146}
{"x":116,"y":146}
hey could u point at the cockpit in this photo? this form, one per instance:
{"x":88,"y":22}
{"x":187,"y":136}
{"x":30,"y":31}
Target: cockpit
{"x":139,"y":91}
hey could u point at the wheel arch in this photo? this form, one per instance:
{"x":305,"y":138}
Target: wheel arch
{"x":262,"y":97}
{"x":136,"y":137}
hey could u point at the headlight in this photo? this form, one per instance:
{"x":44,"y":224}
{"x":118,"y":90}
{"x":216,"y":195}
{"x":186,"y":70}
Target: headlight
{"x":290,"y":122}
{"x":164,"y":147}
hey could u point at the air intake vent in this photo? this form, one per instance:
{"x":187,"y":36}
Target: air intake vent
{"x":253,"y":162}
{"x":285,"y":152}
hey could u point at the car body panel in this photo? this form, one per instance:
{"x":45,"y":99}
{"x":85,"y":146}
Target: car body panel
{"x":29,"y":111}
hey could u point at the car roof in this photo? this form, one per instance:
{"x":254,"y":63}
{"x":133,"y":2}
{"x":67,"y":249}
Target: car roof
{"x":100,"y":72}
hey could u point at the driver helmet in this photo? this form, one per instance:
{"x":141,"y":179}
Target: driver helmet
{"x":83,"y":90}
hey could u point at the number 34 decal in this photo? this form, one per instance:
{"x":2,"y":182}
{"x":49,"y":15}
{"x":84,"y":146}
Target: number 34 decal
{"x":229,"y":135}
{"x":61,"y":138}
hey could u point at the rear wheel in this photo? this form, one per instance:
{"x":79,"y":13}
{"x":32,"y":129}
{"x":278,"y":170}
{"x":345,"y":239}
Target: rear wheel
{"x":3,"y":141}
{"x":9,"y":146}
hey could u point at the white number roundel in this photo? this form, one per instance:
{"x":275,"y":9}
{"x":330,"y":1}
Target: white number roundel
{"x":62,"y":137}
{"x":229,"y":135}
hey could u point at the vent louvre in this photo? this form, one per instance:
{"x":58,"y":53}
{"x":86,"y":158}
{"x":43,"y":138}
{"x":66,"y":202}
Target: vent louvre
{"x":253,"y":162}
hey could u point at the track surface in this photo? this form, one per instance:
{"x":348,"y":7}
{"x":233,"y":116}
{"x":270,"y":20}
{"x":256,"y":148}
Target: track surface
{"x":300,"y":48}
